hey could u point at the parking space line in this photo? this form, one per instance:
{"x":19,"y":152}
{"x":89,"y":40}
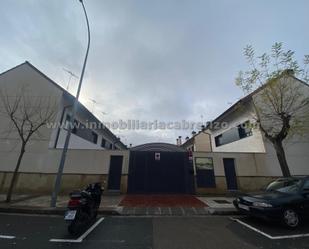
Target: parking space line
{"x":252,"y":228}
{"x":268,"y":235}
{"x":7,"y":237}
{"x":81,"y":238}
{"x":65,"y":240}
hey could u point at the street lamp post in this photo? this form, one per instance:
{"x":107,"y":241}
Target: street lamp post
{"x":71,"y":121}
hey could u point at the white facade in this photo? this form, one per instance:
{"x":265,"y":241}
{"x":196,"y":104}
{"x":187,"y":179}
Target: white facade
{"x":250,"y":144}
{"x":296,"y":147}
{"x":254,"y":155}
{"x":77,"y":142}
{"x":32,"y":82}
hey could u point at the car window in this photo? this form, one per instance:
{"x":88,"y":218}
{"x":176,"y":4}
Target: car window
{"x":275,"y":185}
{"x":306,"y":185}
{"x":285,"y":186}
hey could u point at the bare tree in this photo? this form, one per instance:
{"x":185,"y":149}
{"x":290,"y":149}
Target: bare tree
{"x":281,"y":102}
{"x":26,"y":115}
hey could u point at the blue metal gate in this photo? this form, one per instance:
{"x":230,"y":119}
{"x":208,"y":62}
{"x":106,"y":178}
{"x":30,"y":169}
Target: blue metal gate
{"x":160,"y":172}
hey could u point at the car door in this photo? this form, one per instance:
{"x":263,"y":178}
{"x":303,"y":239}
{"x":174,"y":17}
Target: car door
{"x":305,"y":193}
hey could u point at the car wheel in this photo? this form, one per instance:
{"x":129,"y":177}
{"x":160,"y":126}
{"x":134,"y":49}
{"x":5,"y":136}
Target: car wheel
{"x":291,"y":218}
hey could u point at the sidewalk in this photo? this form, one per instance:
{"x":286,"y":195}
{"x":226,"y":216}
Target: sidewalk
{"x":41,"y":205}
{"x":130,"y":205}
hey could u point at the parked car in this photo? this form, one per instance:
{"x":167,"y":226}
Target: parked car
{"x":285,"y":200}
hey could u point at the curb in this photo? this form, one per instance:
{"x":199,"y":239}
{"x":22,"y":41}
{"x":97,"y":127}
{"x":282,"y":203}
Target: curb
{"x":106,"y":211}
{"x":49,"y":211}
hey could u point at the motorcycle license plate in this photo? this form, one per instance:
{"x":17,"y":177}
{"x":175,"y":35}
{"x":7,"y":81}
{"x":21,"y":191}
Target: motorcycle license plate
{"x":70,"y":215}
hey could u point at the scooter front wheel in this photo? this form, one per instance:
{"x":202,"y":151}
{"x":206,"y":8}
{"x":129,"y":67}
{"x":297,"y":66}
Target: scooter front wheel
{"x":77,"y":225}
{"x":74,"y":227}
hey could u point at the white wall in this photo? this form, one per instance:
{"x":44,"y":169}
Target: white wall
{"x":296,"y":146}
{"x":33,"y":85}
{"x":77,"y":161}
{"x":297,"y":155}
{"x":246,"y":164}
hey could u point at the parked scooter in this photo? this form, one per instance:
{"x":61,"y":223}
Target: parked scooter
{"x":83,"y":207}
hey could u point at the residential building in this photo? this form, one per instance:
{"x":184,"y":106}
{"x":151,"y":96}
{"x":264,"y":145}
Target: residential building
{"x":235,"y":155}
{"x":94,"y":151}
{"x":200,"y":141}
{"x":230,"y":154}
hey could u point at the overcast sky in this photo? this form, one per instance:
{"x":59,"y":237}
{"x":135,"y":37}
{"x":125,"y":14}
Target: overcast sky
{"x":168,"y":60}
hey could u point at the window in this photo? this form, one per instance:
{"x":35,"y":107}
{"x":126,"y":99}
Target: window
{"x":205,"y":177}
{"x":218,"y":140}
{"x":285,"y":186}
{"x":306,"y":186}
{"x":94,"y":137}
{"x":67,"y":122}
{"x":82,"y":131}
{"x":76,"y":124}
{"x":241,"y":131}
{"x":103,"y":143}
{"x":74,"y":130}
{"x":204,"y":163}
{"x":244,"y":130}
{"x":111,"y":146}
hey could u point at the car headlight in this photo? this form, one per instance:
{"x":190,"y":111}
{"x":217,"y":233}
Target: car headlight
{"x":262,"y":204}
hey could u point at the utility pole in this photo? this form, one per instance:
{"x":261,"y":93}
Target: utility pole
{"x":71,"y":120}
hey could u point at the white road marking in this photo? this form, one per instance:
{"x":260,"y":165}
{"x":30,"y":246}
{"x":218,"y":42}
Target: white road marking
{"x":7,"y":237}
{"x":91,"y":229}
{"x":66,"y":240}
{"x":268,"y":235}
{"x":82,"y":237}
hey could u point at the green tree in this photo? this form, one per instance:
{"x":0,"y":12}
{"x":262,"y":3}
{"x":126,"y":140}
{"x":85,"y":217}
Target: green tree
{"x":281,"y":106}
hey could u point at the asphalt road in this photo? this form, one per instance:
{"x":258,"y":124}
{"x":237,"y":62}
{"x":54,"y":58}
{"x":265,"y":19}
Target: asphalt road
{"x":208,"y":232}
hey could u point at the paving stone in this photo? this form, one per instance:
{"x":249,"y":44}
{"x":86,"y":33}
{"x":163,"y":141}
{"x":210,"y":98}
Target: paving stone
{"x":177,"y":211}
{"x":153,"y":211}
{"x":140,"y":211}
{"x":189,"y":211}
{"x":201,"y":211}
{"x":166,"y":211}
{"x":128,"y":211}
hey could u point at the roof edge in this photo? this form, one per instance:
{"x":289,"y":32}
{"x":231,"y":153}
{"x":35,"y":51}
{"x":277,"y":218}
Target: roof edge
{"x":65,"y":92}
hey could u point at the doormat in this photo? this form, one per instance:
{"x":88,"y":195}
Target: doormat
{"x":161,"y":201}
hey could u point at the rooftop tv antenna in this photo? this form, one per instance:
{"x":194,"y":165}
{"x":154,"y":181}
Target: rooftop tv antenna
{"x":71,"y":75}
{"x":94,"y":102}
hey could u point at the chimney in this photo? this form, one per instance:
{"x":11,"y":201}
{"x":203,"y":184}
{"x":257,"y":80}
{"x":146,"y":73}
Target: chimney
{"x":179,"y":140}
{"x":187,"y":138}
{"x":193,"y":133}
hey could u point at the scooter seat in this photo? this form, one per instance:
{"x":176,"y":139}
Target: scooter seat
{"x":85,"y":194}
